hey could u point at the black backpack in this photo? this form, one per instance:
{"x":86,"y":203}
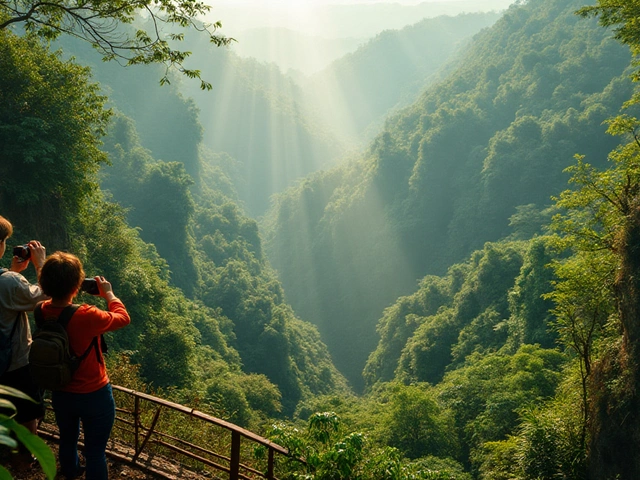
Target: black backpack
{"x":51,"y":361}
{"x":6,"y":350}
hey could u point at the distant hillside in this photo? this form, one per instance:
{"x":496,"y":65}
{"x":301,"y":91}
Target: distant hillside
{"x":483,"y":148}
{"x":355,"y":94}
{"x":280,"y":132}
{"x":256,"y":114}
{"x":262,"y":118}
{"x":290,"y":49}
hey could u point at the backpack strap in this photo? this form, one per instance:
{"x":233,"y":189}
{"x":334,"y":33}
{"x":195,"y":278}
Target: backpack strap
{"x":63,"y":319}
{"x":66,"y":314}
{"x":94,"y":344}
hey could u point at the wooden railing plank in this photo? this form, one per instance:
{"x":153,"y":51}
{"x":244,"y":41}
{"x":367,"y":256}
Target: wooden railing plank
{"x":208,"y":418}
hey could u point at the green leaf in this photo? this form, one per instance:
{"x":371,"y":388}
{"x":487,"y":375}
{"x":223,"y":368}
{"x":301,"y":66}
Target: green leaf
{"x":12,"y":392}
{"x":4,"y":474}
{"x":36,"y":446}
{"x":8,"y":441}
{"x":7,"y":405}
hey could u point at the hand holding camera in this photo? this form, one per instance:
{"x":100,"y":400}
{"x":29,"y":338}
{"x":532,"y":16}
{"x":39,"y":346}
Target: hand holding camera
{"x":34,"y":251}
{"x":98,"y":286}
{"x":23,"y":252}
{"x":90,"y":286}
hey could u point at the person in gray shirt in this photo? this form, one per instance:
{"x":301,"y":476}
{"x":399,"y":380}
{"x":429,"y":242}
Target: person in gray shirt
{"x":18,"y":296}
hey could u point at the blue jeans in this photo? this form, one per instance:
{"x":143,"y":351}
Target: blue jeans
{"x":97,"y":411}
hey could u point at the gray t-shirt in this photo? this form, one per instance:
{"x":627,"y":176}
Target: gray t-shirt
{"x":18,"y":296}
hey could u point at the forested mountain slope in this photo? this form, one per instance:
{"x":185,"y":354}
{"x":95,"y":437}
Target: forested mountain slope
{"x":447,"y":174}
{"x":356,"y":92}
{"x":479,"y":339}
{"x":490,"y":301}
{"x":275,"y":129}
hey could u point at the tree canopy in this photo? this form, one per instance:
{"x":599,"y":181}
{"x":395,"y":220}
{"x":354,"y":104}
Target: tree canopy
{"x":106,"y":24}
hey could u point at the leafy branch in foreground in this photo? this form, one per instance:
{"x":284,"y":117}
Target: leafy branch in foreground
{"x":330,"y":452}
{"x":33,"y":443}
{"x":100,"y":23}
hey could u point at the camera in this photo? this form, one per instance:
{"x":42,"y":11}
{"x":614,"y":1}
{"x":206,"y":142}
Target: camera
{"x":90,"y":286}
{"x":22,"y":251}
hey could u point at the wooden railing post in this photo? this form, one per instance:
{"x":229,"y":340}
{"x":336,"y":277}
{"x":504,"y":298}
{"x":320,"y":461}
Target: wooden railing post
{"x":148,"y":435}
{"x":234,"y":464}
{"x":136,"y":421}
{"x":270,"y":465}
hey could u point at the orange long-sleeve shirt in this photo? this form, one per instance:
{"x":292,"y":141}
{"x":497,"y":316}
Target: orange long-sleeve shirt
{"x":85,"y":324}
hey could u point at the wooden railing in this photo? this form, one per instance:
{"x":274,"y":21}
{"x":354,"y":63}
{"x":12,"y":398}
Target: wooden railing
{"x":153,"y":426}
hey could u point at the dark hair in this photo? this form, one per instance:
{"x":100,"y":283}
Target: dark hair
{"x":61,"y":275}
{"x":6,"y":229}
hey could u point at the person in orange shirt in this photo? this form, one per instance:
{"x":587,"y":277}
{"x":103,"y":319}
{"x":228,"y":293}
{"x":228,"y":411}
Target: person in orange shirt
{"x":88,"y":398}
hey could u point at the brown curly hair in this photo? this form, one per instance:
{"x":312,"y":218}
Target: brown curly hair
{"x":61,"y":275}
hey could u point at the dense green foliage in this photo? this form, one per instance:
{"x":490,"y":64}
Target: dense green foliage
{"x":489,"y":142}
{"x":460,"y":377}
{"x":50,"y":124}
{"x":332,"y":453}
{"x":10,"y":428}
{"x":356,"y":92}
{"x":601,"y":228}
{"x":475,"y":334}
{"x":491,"y":301}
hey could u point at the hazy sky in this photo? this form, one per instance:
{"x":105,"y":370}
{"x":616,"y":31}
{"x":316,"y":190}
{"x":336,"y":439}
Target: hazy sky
{"x":314,"y":3}
{"x":323,"y":2}
{"x":338,"y":18}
